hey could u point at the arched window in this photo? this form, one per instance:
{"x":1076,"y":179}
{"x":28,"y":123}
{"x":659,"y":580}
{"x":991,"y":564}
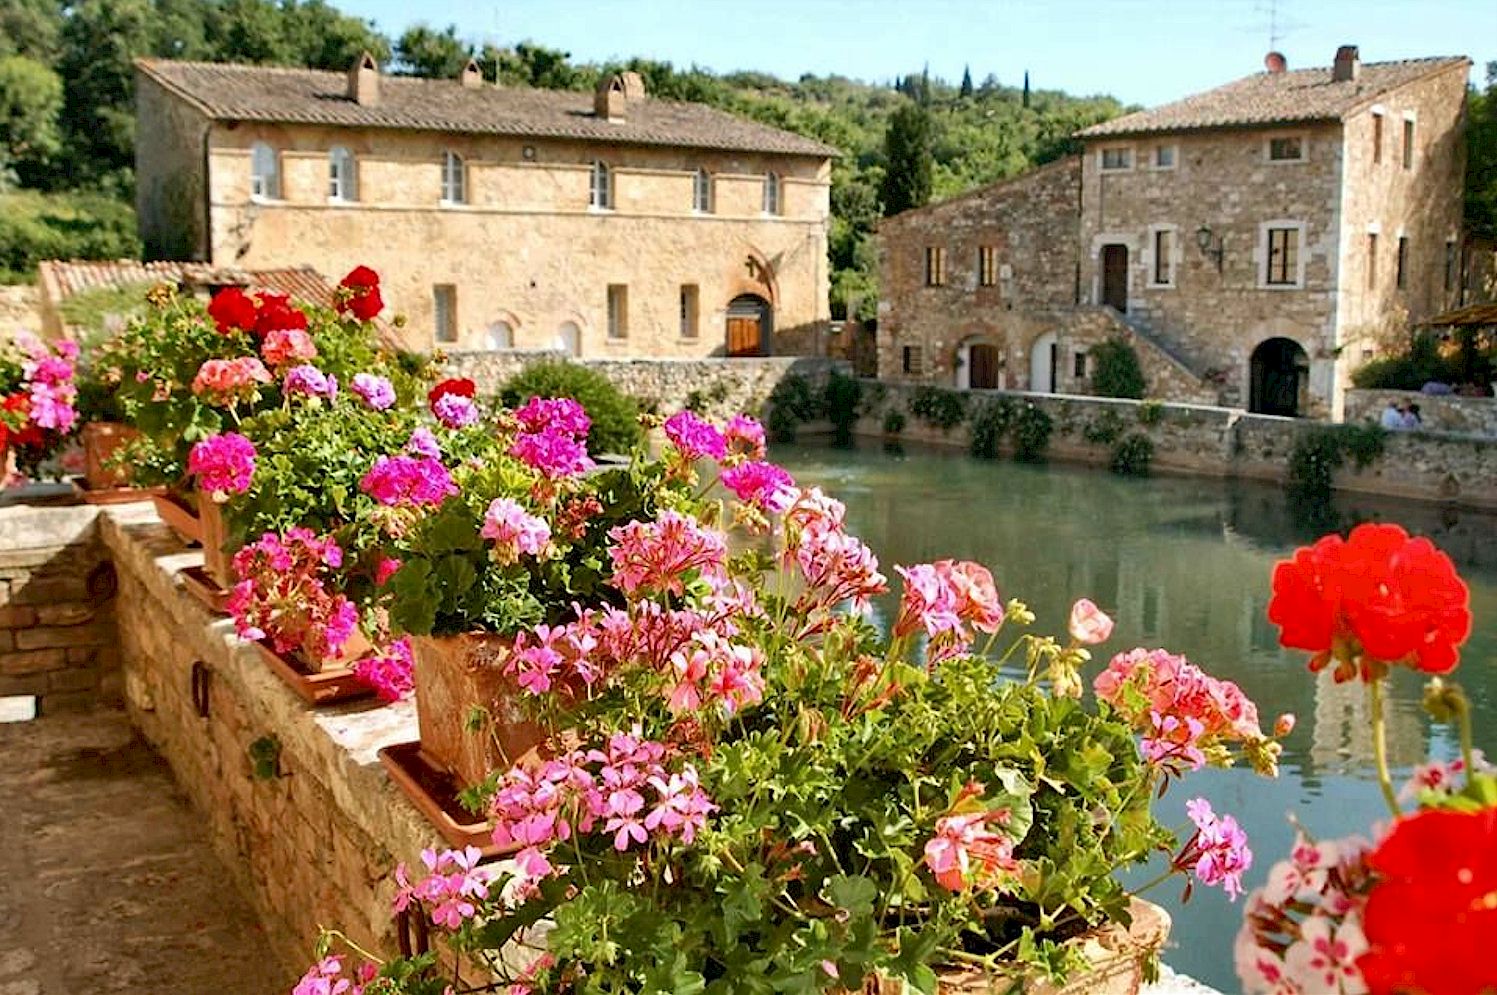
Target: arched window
{"x":342,"y":174}
{"x":454,"y":179}
{"x":265,"y":173}
{"x":501,"y":335}
{"x":600,"y":193}
{"x":702,"y":193}
{"x":771,"y":193}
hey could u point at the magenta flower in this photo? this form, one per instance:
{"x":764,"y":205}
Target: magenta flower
{"x":308,"y":381}
{"x":1218,"y":853}
{"x":745,"y":435}
{"x":659,"y":555}
{"x":554,"y":453}
{"x":324,"y":978}
{"x":405,"y":480}
{"x":695,"y":438}
{"x":514,"y":530}
{"x":558,"y":414}
{"x":455,"y":410}
{"x":453,"y":886}
{"x":761,"y":484}
{"x":423,"y":443}
{"x":223,"y":465}
{"x":374,"y":390}
{"x":390,"y":673}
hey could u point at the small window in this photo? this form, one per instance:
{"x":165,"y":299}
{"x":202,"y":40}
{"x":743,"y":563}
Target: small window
{"x":1401,"y":277}
{"x":987,"y":266}
{"x":342,"y":175}
{"x":454,"y":179}
{"x":600,"y":190}
{"x":1119,"y":157}
{"x":935,"y":266}
{"x":444,"y":309}
{"x":772,"y":193}
{"x":1286,"y":148}
{"x":1078,"y":365}
{"x":1377,"y":137}
{"x":1164,"y":261}
{"x":1164,"y":157}
{"x":501,"y":335}
{"x":1452,"y":265}
{"x":265,"y":173}
{"x":914,"y":360}
{"x":1372,"y":260}
{"x":1408,"y":143}
{"x":1283,"y":257}
{"x":689,"y":300}
{"x":701,"y":200}
{"x":618,"y":311}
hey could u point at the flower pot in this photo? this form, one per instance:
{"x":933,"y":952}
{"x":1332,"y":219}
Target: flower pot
{"x":1118,"y":956}
{"x":101,"y":441}
{"x":332,"y":681}
{"x":179,"y":515}
{"x":217,"y":559}
{"x":453,"y":676}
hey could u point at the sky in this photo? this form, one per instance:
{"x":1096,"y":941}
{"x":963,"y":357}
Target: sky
{"x":1141,"y":51}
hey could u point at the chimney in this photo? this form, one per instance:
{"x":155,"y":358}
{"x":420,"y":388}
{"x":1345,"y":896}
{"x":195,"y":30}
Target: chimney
{"x":472,"y":75}
{"x":612,"y":97}
{"x":1275,"y":63}
{"x":363,"y":81}
{"x":1348,"y":65}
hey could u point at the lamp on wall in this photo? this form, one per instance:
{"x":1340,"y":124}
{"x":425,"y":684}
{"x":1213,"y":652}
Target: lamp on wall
{"x":1211,"y":245}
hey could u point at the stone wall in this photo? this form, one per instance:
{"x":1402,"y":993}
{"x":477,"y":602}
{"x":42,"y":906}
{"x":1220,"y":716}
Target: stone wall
{"x":58,"y":641}
{"x":20,"y":310}
{"x":171,"y":189}
{"x":1225,"y":442}
{"x":720,"y":387}
{"x":1461,"y":415}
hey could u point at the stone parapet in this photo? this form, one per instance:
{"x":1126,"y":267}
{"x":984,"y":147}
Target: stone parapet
{"x":1448,"y":413}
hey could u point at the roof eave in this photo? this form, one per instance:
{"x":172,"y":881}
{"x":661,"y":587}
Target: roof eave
{"x":1219,"y":126}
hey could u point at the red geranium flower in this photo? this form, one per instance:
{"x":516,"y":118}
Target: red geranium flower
{"x":1431,"y":916}
{"x":232,"y":310}
{"x":1378,"y":597}
{"x":277,"y":314}
{"x":358,"y":294}
{"x":461,"y":386}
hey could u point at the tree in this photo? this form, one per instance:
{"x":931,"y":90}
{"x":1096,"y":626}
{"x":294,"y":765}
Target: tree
{"x":324,"y":38}
{"x":966,"y":90}
{"x":1026,"y":89}
{"x":99,"y":42}
{"x":422,"y":51}
{"x":1116,"y":371}
{"x":1481,"y":156}
{"x":908,"y":180}
{"x":30,"y":28}
{"x":30,"y":102}
{"x":253,"y":31}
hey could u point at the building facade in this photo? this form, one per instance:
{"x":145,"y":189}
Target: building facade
{"x":1265,"y":237}
{"x":606,"y":225}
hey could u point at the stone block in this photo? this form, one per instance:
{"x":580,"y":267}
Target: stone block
{"x":72,"y":680}
{"x":45,"y":589}
{"x":92,"y":634}
{"x":16,"y":616}
{"x":68,"y":701}
{"x":33,"y":662}
{"x":64,"y":614}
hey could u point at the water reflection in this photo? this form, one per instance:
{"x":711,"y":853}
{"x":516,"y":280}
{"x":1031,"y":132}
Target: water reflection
{"x":1183,"y":564}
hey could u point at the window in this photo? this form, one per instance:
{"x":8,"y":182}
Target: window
{"x":444,"y":308}
{"x":1452,"y":264}
{"x":1408,"y":143}
{"x":1283,"y":257}
{"x":1401,"y":274}
{"x":618,"y":311}
{"x":265,"y":173}
{"x":1078,"y":365}
{"x":1117,"y":158}
{"x":1372,"y":260}
{"x":935,"y":266}
{"x":454,"y":179}
{"x":1164,"y":257}
{"x":600,"y":191}
{"x":1286,"y":148}
{"x":701,"y":200}
{"x":1164,"y":157}
{"x":914,"y":360}
{"x":690,"y":298}
{"x":987,"y":266}
{"x":342,"y":174}
{"x":1377,"y":137}
{"x":771,"y":193}
{"x":501,"y":335}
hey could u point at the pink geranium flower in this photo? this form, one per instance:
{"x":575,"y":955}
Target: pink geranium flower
{"x":1089,"y":625}
{"x":514,"y":530}
{"x":223,"y":465}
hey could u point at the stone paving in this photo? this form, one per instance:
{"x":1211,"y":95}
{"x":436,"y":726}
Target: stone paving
{"x":107,"y":884}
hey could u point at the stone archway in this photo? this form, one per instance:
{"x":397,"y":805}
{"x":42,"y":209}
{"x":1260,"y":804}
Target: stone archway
{"x":569,"y":338}
{"x":750,"y":324}
{"x":1279,"y":378}
{"x":979,"y":365}
{"x":1043,"y":357}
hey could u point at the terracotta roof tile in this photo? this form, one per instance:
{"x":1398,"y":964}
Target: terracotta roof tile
{"x":1275,"y":98}
{"x":307,"y":96}
{"x":66,"y":279}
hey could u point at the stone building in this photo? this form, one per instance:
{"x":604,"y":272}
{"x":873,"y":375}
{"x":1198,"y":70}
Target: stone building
{"x":1255,"y":242}
{"x":611,"y":224}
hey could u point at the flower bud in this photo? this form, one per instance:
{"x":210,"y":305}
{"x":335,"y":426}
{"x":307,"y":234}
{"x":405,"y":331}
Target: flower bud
{"x":1284,"y":724}
{"x":1089,"y":624}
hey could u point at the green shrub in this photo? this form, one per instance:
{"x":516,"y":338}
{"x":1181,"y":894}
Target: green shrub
{"x":893,"y":421}
{"x":1150,"y":412}
{"x":1103,"y":430}
{"x":36,"y":226}
{"x":937,"y":406}
{"x":1411,"y":370}
{"x":791,"y":404}
{"x":841,"y":400}
{"x":991,"y":422}
{"x":1032,"y":429}
{"x":615,"y":414}
{"x":1115,"y":370}
{"x":698,"y":401}
{"x":1132,"y":455}
{"x":1319,"y":452}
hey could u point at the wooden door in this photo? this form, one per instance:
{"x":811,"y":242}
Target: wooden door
{"x":1115,"y":277}
{"x":984,"y":372}
{"x":743,"y":336}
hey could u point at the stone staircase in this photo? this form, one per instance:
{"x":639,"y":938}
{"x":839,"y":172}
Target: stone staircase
{"x":1162,"y":360}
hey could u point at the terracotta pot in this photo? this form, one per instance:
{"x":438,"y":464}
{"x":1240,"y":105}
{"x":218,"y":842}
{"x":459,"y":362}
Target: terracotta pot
{"x":179,"y":515}
{"x":453,"y":676}
{"x":101,"y":440}
{"x":217,"y":557}
{"x":1118,"y":956}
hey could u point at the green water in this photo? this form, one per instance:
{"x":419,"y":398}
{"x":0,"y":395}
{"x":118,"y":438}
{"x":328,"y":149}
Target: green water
{"x":1182,"y":564}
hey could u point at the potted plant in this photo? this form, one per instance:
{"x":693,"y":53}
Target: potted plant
{"x":737,"y":777}
{"x":37,"y":397}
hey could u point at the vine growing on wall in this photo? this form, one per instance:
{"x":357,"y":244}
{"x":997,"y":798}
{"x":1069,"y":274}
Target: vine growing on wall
{"x":1116,"y":371}
{"x":936,"y":406}
{"x":1103,"y":430}
{"x":989,"y":425}
{"x":1032,"y":431}
{"x":1132,"y":455}
{"x":791,"y":403}
{"x":841,"y":400}
{"x":1320,"y":451}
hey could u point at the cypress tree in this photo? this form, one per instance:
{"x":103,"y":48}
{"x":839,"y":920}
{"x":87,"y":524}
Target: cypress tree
{"x":1026,"y":88}
{"x":966,"y":90}
{"x":908,"y":175}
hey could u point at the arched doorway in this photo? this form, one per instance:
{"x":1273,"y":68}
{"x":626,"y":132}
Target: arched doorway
{"x":750,"y":323}
{"x":979,"y":366}
{"x":569,"y":338}
{"x":501,"y":335}
{"x":1280,"y":378}
{"x":1042,"y":359}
